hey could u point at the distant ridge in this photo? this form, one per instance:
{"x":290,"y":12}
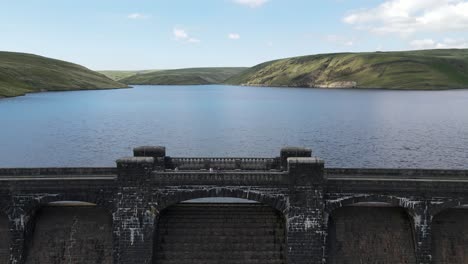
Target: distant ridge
{"x":423,"y":69}
{"x":22,"y":73}
{"x":189,"y":76}
{"x":119,"y":75}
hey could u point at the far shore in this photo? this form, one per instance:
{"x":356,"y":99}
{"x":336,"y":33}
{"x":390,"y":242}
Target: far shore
{"x":51,"y":91}
{"x":356,"y":88}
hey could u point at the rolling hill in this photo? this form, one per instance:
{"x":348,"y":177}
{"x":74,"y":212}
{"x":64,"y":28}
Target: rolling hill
{"x":119,"y":75}
{"x":22,"y":73}
{"x":424,"y":69}
{"x":190,"y":76}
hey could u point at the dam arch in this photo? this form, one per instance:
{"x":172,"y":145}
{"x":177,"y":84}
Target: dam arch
{"x":370,"y":231}
{"x":4,"y":238}
{"x":278,"y":202}
{"x":450,"y":235}
{"x":75,"y":231}
{"x":220,"y":230}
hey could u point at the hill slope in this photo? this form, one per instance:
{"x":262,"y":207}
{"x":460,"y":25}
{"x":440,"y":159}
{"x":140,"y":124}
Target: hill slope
{"x":22,"y":73}
{"x":189,"y":76}
{"x":119,"y":75}
{"x":425,"y":69}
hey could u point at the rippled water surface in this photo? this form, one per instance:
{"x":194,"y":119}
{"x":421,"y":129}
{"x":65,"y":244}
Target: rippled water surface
{"x":347,"y":128}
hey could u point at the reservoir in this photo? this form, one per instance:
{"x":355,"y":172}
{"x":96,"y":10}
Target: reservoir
{"x":347,"y":128}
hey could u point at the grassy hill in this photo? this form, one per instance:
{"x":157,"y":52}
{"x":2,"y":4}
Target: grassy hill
{"x":119,"y":75}
{"x":22,"y":73}
{"x":425,"y":69}
{"x":189,"y":76}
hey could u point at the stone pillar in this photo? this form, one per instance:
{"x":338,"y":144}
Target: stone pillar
{"x":157,"y":152}
{"x":20,"y":231}
{"x":133,"y":216}
{"x":306,"y":230}
{"x":422,"y":223}
{"x":288,"y":152}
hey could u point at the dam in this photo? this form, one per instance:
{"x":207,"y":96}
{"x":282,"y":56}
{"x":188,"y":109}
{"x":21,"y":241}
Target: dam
{"x":149,"y":208}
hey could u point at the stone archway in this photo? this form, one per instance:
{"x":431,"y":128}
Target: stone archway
{"x":220,"y":233}
{"x":370,"y":232}
{"x":450,"y":236}
{"x":4,"y":238}
{"x":276,"y":201}
{"x":70,"y":232}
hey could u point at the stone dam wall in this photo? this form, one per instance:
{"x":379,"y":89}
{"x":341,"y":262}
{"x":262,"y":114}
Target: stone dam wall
{"x":450,"y":237}
{"x":71,"y":234}
{"x":220,"y":233}
{"x":300,"y":212}
{"x":365,"y":234}
{"x":4,"y":239}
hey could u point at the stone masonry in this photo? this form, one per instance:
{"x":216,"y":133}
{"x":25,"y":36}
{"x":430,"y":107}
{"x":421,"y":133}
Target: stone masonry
{"x":316,"y":215}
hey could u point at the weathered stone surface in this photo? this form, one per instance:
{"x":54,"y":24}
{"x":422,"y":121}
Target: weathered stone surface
{"x":220,"y":233}
{"x":450,"y":237}
{"x":306,"y":193}
{"x":368,"y":235}
{"x":71,"y":234}
{"x":4,"y":239}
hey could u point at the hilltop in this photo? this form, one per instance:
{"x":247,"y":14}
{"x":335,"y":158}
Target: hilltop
{"x":424,"y":69}
{"x":119,"y":75}
{"x":190,"y":76}
{"x":22,"y":73}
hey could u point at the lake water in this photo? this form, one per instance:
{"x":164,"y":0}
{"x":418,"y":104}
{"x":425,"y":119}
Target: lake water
{"x":347,"y":128}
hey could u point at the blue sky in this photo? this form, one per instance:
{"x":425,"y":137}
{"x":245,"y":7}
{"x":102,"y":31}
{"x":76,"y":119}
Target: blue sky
{"x":156,"y":34}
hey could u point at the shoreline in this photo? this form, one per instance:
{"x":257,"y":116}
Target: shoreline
{"x":47,"y":91}
{"x":357,"y":88}
{"x":351,"y":88}
{"x":317,"y":87}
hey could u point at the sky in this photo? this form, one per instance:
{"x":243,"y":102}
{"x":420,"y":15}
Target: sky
{"x":168,"y":34}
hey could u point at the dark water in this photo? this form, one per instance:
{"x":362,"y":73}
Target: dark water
{"x":347,"y":128}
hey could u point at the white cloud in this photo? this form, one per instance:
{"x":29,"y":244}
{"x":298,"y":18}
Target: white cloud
{"x":233,"y":36}
{"x":447,"y":43}
{"x":251,"y":3}
{"x":137,"y":16}
{"x":406,"y":17}
{"x":182,"y":35}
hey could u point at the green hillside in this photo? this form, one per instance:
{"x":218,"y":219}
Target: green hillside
{"x":22,"y":73}
{"x":119,"y":75}
{"x":425,"y":69}
{"x":189,"y":76}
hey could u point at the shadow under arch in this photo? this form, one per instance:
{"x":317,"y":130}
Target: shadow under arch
{"x":74,"y":230}
{"x":25,"y":212}
{"x":4,"y":238}
{"x":359,"y":226}
{"x":449,"y":232}
{"x":278,"y":202}
{"x":199,"y":227}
